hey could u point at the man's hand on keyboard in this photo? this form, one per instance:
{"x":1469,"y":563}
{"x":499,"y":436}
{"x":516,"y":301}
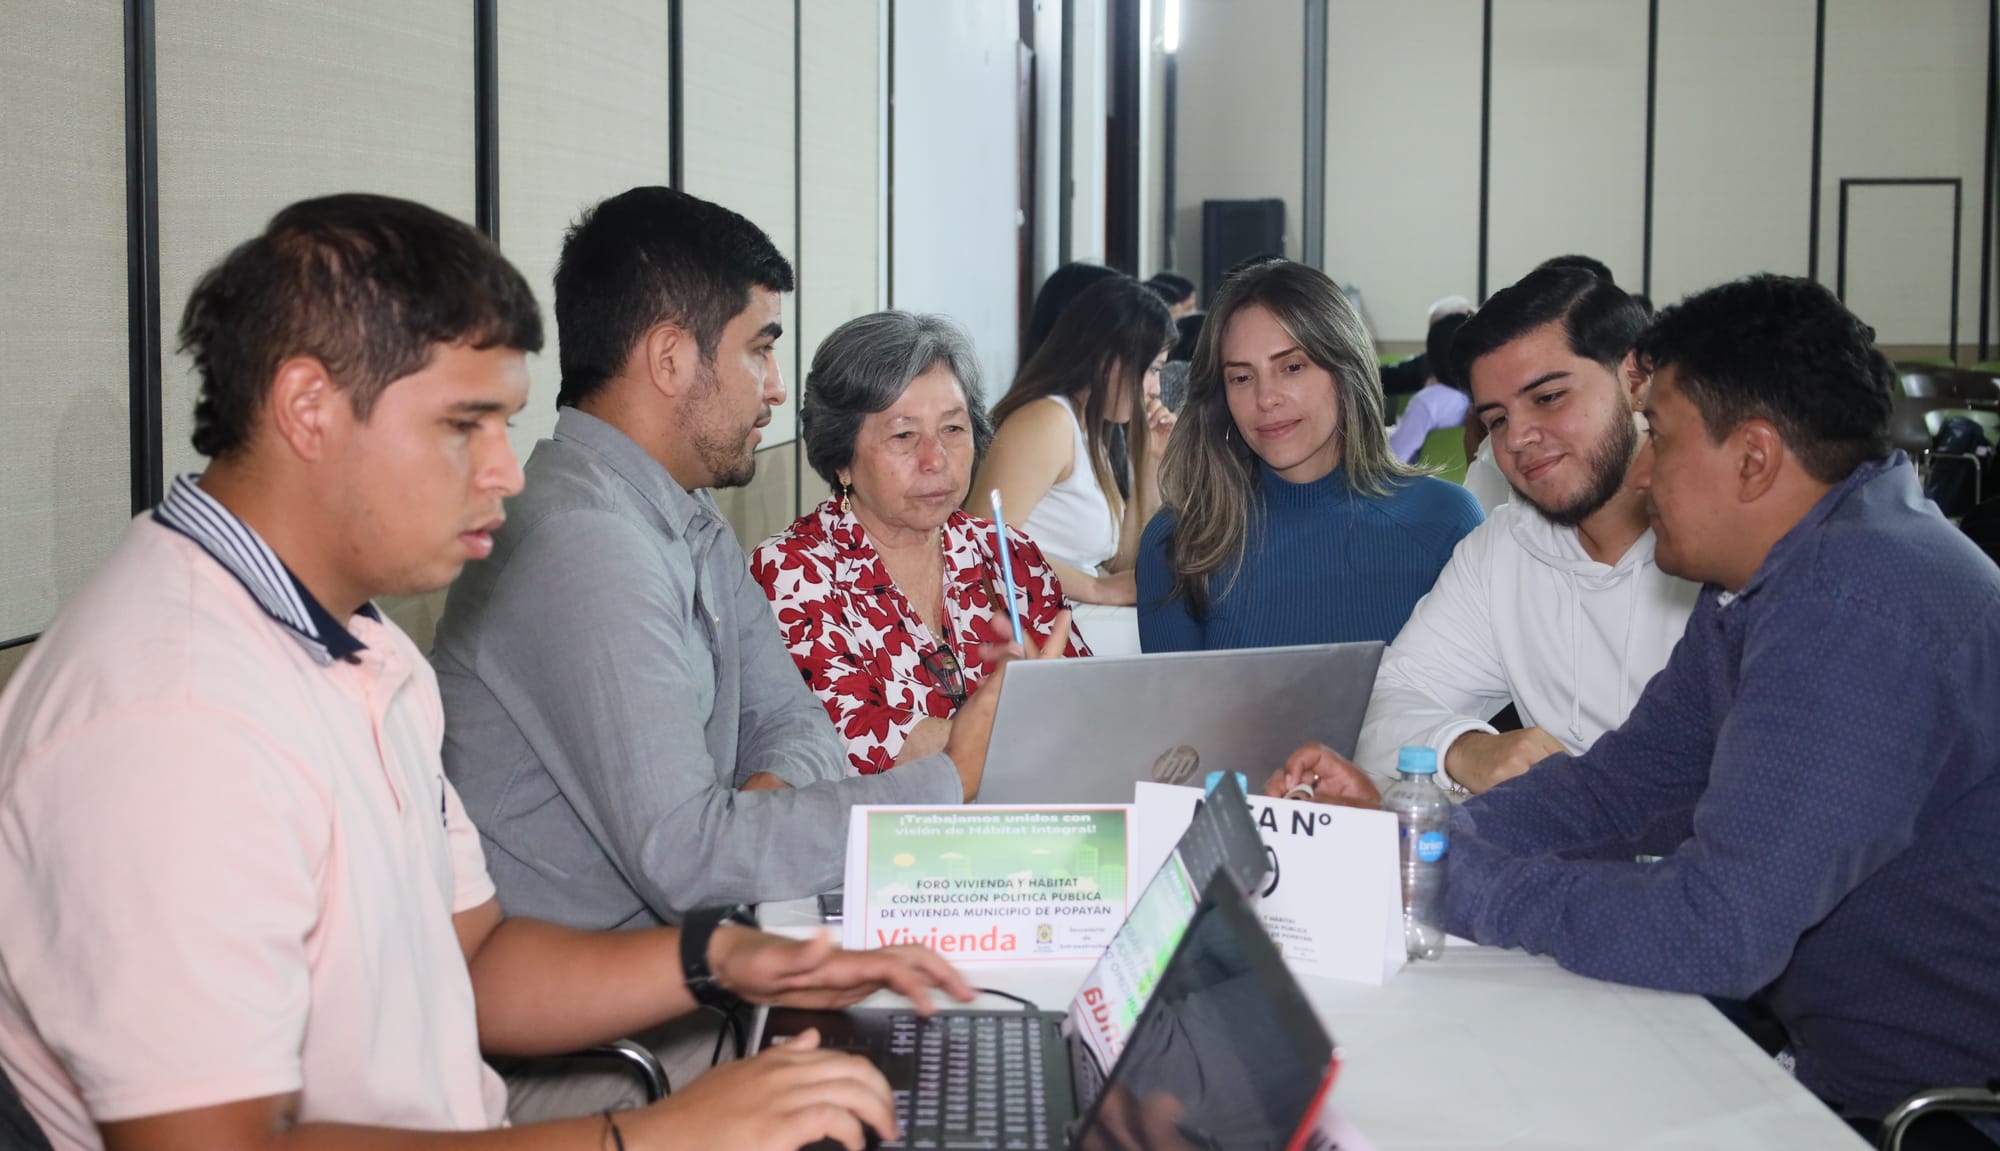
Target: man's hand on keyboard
{"x":765,"y":968}
{"x":782,"y":1099}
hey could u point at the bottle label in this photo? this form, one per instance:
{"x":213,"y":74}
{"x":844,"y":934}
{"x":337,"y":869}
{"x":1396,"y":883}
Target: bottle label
{"x":1431,"y":846}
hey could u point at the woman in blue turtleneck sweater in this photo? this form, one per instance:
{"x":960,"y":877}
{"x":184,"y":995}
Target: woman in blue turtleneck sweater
{"x":1286,"y":518}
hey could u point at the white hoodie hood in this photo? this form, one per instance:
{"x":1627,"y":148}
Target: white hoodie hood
{"x":1522,"y":613}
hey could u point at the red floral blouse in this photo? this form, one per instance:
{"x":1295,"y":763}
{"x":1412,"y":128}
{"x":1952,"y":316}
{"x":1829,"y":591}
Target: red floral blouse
{"x":861,"y":645}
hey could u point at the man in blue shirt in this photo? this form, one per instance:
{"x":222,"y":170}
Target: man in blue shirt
{"x":1819,"y":762}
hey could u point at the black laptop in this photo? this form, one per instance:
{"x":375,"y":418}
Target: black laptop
{"x":1224,"y":1050}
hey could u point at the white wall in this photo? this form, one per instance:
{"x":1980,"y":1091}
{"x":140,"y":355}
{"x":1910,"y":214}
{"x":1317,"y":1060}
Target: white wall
{"x":738,"y":127}
{"x":956,"y":181}
{"x":1241,"y":112}
{"x":1152,"y":111}
{"x":1048,"y":137}
{"x":1905,"y":96}
{"x":1090,"y":105}
{"x":840,"y":170}
{"x":1402,"y":172}
{"x":65,"y":483}
{"x":1733,"y":142}
{"x":261,"y":105}
{"x":583,"y":116}
{"x":1568,"y":161}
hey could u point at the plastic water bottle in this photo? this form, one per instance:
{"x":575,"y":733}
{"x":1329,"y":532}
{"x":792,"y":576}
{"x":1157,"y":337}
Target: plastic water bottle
{"x":1423,"y":816}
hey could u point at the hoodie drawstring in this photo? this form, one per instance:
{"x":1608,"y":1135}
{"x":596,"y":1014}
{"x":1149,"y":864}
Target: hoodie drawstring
{"x":1625,"y":652}
{"x":1575,"y":661}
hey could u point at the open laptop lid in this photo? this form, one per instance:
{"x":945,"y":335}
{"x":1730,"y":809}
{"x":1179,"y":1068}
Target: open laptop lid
{"x":1228,"y":1055}
{"x":1084,"y":730}
{"x":1221,"y":839}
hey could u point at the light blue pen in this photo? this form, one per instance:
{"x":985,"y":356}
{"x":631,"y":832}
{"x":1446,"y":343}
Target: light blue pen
{"x":1007,"y":569}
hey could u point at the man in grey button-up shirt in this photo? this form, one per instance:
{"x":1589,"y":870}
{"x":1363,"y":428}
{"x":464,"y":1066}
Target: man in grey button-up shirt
{"x":623,"y":721}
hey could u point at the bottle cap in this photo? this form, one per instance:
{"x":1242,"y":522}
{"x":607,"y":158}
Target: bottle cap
{"x":1215,"y":777}
{"x":1417,"y":761}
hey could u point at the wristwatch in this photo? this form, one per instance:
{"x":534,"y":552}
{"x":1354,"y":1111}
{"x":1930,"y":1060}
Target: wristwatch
{"x":696,"y":930}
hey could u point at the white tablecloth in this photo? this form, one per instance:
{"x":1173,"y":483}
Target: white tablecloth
{"x":1496,"y":1049}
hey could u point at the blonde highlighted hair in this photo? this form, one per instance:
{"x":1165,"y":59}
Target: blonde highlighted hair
{"x":1208,"y":473}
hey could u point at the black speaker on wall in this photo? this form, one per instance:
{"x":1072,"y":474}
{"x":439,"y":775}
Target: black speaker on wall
{"x":1233,"y":231}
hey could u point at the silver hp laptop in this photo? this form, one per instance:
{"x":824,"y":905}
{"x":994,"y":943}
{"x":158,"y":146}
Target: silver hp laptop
{"x":1084,"y":730}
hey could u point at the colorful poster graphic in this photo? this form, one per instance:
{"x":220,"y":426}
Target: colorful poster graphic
{"x":989,"y":883}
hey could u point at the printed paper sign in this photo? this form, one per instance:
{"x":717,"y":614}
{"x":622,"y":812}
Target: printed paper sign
{"x":1107,"y":1006}
{"x":988,"y":884}
{"x":1332,"y":902}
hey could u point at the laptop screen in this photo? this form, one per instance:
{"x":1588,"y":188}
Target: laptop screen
{"x":1228,"y":1055}
{"x":1222,"y":838}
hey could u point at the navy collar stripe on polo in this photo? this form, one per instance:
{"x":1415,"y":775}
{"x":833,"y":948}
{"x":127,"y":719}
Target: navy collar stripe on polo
{"x":199,"y":516}
{"x":243,"y":553}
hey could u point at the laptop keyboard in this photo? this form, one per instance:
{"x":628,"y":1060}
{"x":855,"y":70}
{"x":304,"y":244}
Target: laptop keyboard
{"x":970,"y":1082}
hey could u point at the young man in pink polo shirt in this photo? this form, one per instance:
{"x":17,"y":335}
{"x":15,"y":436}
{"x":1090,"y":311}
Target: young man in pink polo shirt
{"x":240,"y":907}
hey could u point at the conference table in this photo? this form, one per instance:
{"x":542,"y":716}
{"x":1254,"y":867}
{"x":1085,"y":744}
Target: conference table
{"x":1489,"y":1048}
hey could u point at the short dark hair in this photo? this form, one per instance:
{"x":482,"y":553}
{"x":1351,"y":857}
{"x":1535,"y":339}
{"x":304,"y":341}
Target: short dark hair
{"x":1782,"y":349}
{"x":367,"y":285}
{"x":865,"y":365}
{"x":1437,"y":348}
{"x":1591,"y":264}
{"x":646,"y":256}
{"x":1600,"y":320}
{"x":1172,"y":286}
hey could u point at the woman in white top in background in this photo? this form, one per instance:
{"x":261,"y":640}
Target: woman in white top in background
{"x":1051,"y":459}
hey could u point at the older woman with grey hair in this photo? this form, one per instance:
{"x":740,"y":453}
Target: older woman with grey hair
{"x":890,"y":598}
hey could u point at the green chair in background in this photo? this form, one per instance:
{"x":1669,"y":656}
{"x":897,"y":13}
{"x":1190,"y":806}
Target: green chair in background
{"x":1444,"y":450}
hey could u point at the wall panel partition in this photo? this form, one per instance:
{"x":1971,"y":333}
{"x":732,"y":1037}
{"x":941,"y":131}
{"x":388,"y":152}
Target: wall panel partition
{"x":1568,"y":135}
{"x":740,"y":146}
{"x":956,"y":192}
{"x":1894,"y":265}
{"x":264,"y":104}
{"x":1402,"y":158}
{"x":1905,"y":97}
{"x":583,"y":115}
{"x":65,"y":491}
{"x":1241,"y":114}
{"x":1733,"y":159}
{"x":840,"y":155}
{"x":1090,"y":105}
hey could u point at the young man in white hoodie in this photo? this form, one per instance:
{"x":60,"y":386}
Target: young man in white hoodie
{"x":1554,"y":603}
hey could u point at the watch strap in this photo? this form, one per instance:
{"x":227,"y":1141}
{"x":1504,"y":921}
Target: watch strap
{"x":696,"y":930}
